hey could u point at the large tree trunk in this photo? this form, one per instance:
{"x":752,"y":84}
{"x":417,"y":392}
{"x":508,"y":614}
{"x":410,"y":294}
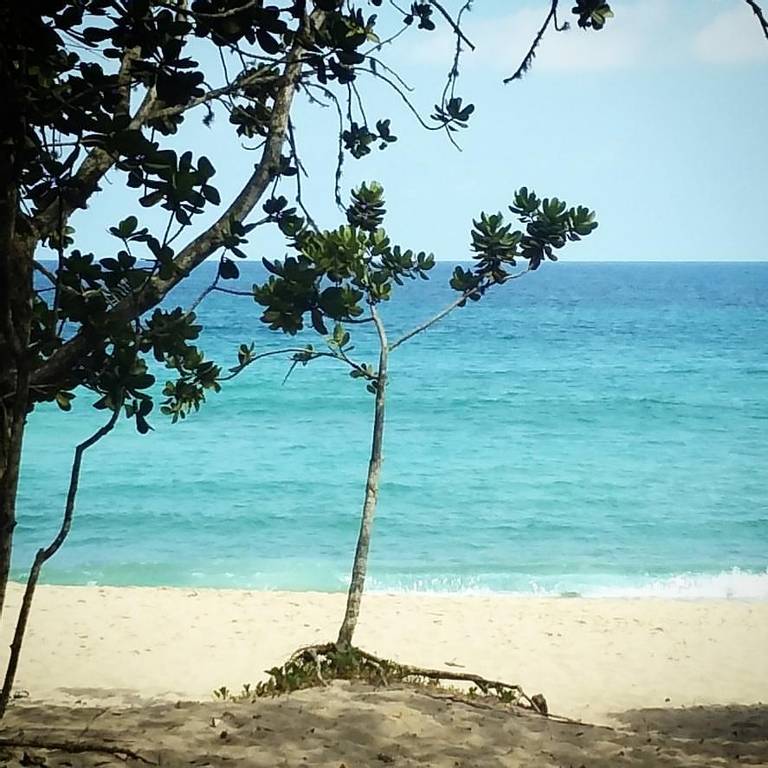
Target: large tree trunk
{"x":360,"y":565}
{"x":10,"y":461}
{"x":15,"y":324}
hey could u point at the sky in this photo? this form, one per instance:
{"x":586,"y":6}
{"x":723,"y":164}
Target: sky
{"x":659,"y":123}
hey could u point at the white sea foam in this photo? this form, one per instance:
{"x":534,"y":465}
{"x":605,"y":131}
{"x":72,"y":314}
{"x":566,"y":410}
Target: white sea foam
{"x":734,"y":584}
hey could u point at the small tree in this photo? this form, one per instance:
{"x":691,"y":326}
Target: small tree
{"x":342,"y":277}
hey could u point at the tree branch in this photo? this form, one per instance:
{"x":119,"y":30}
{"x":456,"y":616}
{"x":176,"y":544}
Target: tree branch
{"x":91,"y":171}
{"x":340,"y":154}
{"x":212,"y":287}
{"x":448,"y":309}
{"x":215,"y":93}
{"x":531,"y":55}
{"x":220,"y":15}
{"x":45,"y":271}
{"x":75,"y":747}
{"x":195,"y":253}
{"x":233,"y":291}
{"x":454,"y":25}
{"x":124,"y":80}
{"x":758,"y":11}
{"x":299,"y":170}
{"x":415,"y":112}
{"x":311,"y":355}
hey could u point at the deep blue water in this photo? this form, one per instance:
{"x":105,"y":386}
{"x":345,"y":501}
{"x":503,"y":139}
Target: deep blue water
{"x":596,"y":428}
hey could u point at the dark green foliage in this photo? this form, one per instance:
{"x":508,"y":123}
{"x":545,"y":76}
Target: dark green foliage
{"x":359,"y":138}
{"x":367,"y":210}
{"x":423,"y":13}
{"x":549,"y":225}
{"x":592,"y":13}
{"x":339,"y":276}
{"x":73,"y":78}
{"x":452,"y":115}
{"x":335,"y":273}
{"x":308,"y":669}
{"x":96,"y":85}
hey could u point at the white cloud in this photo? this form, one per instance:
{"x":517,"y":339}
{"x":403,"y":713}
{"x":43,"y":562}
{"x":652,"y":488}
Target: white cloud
{"x":732,"y":37}
{"x":643,"y":34}
{"x":628,"y":40}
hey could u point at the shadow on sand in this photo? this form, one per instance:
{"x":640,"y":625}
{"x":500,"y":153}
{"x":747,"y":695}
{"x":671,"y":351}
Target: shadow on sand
{"x":357,"y":726}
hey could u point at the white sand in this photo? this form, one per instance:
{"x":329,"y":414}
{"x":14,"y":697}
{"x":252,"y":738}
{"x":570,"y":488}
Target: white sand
{"x":590,"y":658}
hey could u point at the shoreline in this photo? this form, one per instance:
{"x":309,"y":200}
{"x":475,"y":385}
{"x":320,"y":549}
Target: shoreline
{"x":733,"y":584}
{"x":469,"y":594}
{"x":590,"y":657}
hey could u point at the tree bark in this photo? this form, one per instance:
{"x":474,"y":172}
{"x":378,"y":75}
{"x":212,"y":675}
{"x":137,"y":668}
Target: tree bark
{"x":360,"y":565}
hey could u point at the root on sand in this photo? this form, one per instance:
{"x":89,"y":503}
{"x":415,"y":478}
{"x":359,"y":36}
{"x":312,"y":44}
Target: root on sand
{"x":21,"y":741}
{"x":316,"y":665}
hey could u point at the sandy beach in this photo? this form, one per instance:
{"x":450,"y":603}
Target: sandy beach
{"x":590,"y":658}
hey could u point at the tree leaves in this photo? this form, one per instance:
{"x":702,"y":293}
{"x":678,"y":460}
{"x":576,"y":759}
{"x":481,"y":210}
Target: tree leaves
{"x":549,"y":224}
{"x":452,"y":114}
{"x":228,"y":270}
{"x":335,"y":273}
{"x":72,"y":102}
{"x":367,"y":208}
{"x":592,"y":13}
{"x":64,"y":400}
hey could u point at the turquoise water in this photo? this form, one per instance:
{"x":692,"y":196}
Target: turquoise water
{"x":598,"y":429}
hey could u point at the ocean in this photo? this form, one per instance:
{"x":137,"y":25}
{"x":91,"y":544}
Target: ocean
{"x":591,"y":429}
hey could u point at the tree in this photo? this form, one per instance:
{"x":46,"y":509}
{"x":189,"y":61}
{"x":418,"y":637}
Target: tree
{"x":98,"y":88}
{"x":343,"y":276}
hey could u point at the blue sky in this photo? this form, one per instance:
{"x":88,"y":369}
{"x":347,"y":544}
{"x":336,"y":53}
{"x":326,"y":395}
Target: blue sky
{"x":659,"y":122}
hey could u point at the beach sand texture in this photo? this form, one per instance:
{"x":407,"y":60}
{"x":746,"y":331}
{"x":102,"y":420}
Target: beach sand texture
{"x":590,"y":658}
{"x":354,"y":726}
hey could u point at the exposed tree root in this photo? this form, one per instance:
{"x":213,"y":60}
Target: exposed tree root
{"x":22,"y":742}
{"x":316,"y":664}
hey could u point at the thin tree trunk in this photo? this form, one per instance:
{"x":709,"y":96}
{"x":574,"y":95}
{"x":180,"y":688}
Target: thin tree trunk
{"x":360,"y":565}
{"x":46,"y":554}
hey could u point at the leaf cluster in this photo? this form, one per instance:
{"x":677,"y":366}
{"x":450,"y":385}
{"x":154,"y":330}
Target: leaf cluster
{"x":309,"y":669}
{"x":334,"y":274}
{"x":497,"y":248}
{"x":453,"y":114}
{"x":359,"y":138}
{"x":592,"y":14}
{"x":117,"y":370}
